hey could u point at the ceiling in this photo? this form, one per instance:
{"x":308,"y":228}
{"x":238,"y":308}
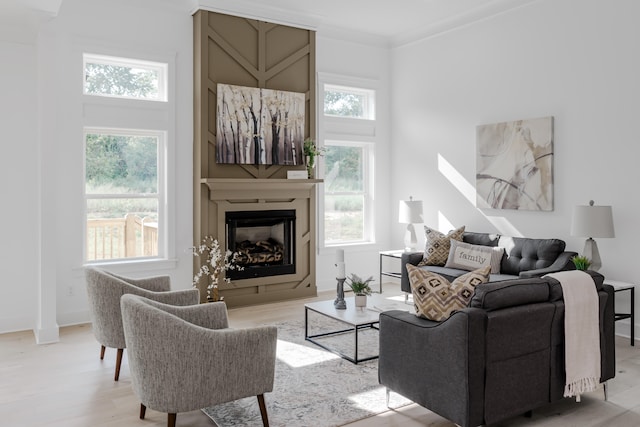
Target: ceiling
{"x":380,"y":21}
{"x":392,"y":22}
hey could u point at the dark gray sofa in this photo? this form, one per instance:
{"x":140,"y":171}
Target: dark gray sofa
{"x":524,"y":257}
{"x":500,"y":357}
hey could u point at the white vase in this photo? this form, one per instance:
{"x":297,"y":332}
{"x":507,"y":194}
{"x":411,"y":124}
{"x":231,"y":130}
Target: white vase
{"x":361,"y":301}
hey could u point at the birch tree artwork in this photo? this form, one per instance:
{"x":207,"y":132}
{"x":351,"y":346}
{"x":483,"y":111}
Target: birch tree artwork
{"x":259,"y":126}
{"x":514,"y":165}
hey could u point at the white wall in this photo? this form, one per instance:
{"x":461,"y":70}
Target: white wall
{"x":366,"y":60}
{"x":18,"y":183}
{"x":571,"y":60}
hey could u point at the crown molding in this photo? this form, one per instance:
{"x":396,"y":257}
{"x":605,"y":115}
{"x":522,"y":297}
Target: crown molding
{"x":253,"y":10}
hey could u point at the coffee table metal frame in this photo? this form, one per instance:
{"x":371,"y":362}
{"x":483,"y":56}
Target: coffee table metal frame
{"x":357,"y":319}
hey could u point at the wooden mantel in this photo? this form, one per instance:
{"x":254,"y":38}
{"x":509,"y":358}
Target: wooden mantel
{"x":267,"y":187}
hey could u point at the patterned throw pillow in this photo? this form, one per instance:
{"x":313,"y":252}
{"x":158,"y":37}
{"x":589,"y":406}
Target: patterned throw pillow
{"x":436,"y":249}
{"x":435,"y":298}
{"x":466,"y":256}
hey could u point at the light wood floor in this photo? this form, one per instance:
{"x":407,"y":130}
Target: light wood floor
{"x":66,"y":384}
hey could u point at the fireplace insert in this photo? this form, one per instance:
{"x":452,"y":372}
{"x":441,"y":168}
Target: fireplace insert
{"x":264,"y":241}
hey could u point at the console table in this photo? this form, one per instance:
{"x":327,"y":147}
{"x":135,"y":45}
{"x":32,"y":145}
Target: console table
{"x":396,"y":254}
{"x":631,"y":289}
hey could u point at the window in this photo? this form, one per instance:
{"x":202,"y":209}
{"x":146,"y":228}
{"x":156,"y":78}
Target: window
{"x":342,"y":101}
{"x":123,"y":190}
{"x":348,"y":135}
{"x":347,"y":195}
{"x":124,"y":78}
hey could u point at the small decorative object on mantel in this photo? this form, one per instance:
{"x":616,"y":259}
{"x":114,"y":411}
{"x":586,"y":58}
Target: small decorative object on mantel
{"x":311,"y":151}
{"x":340,"y":303}
{"x":581,"y":262}
{"x":361,"y":288}
{"x":214,"y":266}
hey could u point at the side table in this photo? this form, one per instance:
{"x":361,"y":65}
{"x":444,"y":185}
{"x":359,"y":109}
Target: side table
{"x":396,"y":254}
{"x":631,"y":288}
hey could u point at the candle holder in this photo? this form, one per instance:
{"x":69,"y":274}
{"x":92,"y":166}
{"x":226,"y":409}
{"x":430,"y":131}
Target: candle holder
{"x":340,"y":303}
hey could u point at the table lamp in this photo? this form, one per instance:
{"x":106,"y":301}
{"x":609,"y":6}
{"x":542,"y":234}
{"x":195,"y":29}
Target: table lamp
{"x":410,"y":212}
{"x":592,"y":221}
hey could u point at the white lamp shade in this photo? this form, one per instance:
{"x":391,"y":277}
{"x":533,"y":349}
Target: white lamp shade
{"x":410,"y":212}
{"x":592,"y":221}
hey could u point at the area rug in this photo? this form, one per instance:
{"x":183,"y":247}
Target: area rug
{"x":314,"y":387}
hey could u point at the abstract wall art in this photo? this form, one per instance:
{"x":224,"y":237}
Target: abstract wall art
{"x":514,"y":165}
{"x":259,"y":126}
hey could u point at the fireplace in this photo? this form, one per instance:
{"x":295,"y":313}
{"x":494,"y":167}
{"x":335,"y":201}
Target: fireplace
{"x":264,"y":241}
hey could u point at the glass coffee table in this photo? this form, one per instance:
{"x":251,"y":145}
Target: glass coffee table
{"x":354,"y":319}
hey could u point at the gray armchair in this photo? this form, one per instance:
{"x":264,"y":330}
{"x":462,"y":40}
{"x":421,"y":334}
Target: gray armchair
{"x":104,"y":290}
{"x":186,"y":358}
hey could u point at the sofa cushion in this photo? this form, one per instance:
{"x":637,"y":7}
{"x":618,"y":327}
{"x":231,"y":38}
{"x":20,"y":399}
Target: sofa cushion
{"x":436,"y":250}
{"x":484,"y":239}
{"x":528,"y":254}
{"x":435,"y":298}
{"x":470,"y":257}
{"x":510,"y":293}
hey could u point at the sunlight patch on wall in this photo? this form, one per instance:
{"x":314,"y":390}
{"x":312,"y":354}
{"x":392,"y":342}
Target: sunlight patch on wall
{"x":503,"y":225}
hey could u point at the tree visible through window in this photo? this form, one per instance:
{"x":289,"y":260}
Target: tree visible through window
{"x":119,"y":77}
{"x":348,"y":102}
{"x":345,"y":193}
{"x":121,"y":188}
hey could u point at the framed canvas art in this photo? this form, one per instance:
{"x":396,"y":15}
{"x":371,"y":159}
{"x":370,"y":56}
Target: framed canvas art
{"x":259,"y":126}
{"x":514,"y":165}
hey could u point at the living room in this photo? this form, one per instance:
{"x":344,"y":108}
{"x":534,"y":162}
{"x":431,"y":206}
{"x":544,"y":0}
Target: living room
{"x":567,"y":59}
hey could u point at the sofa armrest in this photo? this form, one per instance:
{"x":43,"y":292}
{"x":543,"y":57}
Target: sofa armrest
{"x":563,"y":262}
{"x":439,"y":365}
{"x":413,"y":258}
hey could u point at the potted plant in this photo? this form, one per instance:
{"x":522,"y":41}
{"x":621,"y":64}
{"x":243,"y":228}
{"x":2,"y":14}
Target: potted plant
{"x":581,"y":262}
{"x":311,"y":151}
{"x":361,"y":288}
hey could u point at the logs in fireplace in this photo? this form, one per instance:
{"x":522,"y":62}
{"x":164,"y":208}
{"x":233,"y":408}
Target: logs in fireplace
{"x":264,"y":241}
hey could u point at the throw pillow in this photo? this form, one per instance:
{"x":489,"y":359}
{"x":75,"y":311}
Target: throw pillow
{"x":436,"y":249}
{"x":435,"y":298}
{"x":466,"y":256}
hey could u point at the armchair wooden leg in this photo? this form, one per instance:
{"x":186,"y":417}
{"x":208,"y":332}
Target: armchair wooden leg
{"x":102,"y":349}
{"x":171,"y":420}
{"x":263,"y":410}
{"x":143,"y":410}
{"x":118,"y":363}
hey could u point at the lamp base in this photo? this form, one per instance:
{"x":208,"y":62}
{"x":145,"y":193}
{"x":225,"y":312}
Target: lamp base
{"x":410,"y":239}
{"x":592,"y":253}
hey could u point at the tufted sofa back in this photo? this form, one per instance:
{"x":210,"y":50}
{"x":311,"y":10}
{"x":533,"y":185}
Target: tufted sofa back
{"x":521,"y":253}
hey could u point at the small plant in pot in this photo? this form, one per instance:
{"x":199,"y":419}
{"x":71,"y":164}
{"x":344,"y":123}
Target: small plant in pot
{"x":581,"y":262}
{"x":361,"y":288}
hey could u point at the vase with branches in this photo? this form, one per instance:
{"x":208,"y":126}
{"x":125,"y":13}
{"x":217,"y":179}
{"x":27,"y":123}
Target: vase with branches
{"x":214,"y":266}
{"x":311,"y":151}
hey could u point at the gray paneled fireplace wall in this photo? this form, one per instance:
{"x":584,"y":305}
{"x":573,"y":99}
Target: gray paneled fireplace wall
{"x":239,"y":51}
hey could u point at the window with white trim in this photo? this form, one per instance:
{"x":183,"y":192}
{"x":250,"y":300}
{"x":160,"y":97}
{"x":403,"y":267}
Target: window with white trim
{"x":343,"y":101}
{"x":125,"y":167}
{"x":347,"y":132}
{"x":124,"y":78}
{"x":347,"y":192}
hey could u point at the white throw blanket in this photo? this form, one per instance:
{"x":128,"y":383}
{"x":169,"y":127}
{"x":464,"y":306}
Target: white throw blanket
{"x":581,"y":332}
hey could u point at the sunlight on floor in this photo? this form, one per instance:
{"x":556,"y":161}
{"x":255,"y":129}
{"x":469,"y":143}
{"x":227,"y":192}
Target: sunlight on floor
{"x":296,"y":355}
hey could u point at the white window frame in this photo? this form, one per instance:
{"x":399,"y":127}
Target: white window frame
{"x":125,"y":113}
{"x":349,"y":131}
{"x":160,"y":194}
{"x":369,"y":105}
{"x":160,"y":68}
{"x":367,"y":192}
